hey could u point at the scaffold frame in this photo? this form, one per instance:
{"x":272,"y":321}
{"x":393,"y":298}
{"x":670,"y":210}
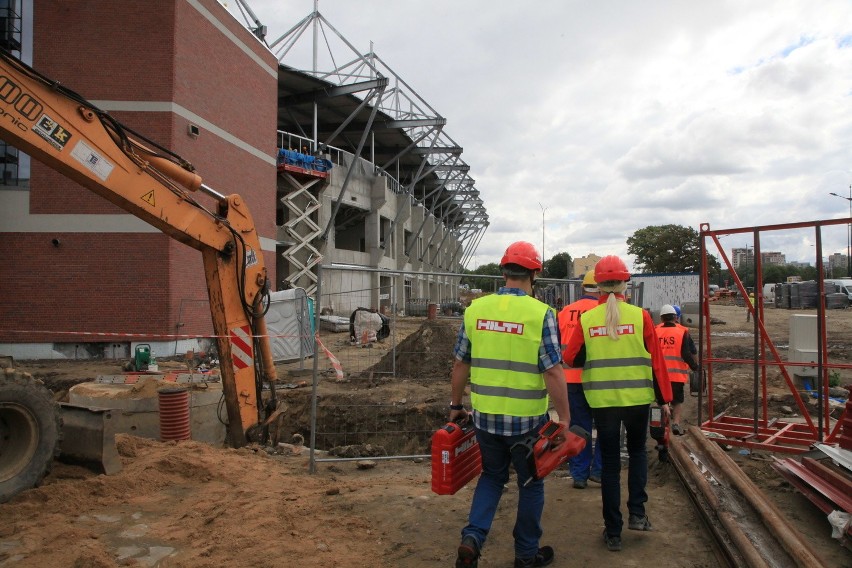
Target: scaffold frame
{"x":760,"y":431}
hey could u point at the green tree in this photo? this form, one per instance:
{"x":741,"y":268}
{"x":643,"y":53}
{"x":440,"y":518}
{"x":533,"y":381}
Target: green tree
{"x":774,"y":273}
{"x":839,"y":272}
{"x":486,"y":284}
{"x":557,"y":265}
{"x":808,"y":273}
{"x":668,"y":248}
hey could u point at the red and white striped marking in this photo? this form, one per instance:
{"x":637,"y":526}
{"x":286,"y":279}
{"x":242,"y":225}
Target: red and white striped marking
{"x":242,"y":352}
{"x":139,"y":335}
{"x":338,"y":368}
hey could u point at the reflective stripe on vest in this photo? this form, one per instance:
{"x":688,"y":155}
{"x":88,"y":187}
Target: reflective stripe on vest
{"x":671,"y":344}
{"x":616,"y":373}
{"x":505,"y":335}
{"x":569,"y":318}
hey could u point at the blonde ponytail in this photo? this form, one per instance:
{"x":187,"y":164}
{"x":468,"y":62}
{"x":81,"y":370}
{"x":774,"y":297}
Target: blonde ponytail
{"x":612,"y":312}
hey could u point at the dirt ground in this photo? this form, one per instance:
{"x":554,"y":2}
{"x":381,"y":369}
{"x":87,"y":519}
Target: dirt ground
{"x":193,"y":505}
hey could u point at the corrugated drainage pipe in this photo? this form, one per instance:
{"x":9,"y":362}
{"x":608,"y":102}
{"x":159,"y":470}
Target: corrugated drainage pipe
{"x":174,"y":414}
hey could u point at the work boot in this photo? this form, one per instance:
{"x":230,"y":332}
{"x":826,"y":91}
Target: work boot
{"x":638,"y":523}
{"x":468,"y":553}
{"x":613,"y":543}
{"x":580,"y":484}
{"x":543,"y":557}
{"x":676,"y":429}
{"x":595,"y":478}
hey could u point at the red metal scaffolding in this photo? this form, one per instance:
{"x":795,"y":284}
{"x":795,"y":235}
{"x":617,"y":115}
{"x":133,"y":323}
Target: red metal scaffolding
{"x":759,"y":431}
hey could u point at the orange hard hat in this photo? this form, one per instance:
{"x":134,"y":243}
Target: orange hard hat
{"x":611,"y":268}
{"x":523,"y":254}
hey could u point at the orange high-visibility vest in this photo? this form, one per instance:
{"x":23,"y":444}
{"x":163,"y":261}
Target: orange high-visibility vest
{"x":569,"y":318}
{"x":671,"y":344}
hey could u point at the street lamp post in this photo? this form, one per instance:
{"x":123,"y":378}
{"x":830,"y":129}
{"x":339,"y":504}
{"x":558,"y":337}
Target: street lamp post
{"x":848,"y":231}
{"x":749,"y":263}
{"x":543,"y":209}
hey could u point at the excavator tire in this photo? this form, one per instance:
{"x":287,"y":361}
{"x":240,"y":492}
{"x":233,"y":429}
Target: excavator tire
{"x":30,"y":432}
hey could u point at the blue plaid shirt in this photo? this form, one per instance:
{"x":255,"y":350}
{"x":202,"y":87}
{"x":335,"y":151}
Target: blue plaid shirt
{"x":549,"y":354}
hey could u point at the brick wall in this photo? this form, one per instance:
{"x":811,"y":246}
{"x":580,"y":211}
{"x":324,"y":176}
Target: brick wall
{"x":93,"y":283}
{"x":157,"y":51}
{"x":108,"y":50}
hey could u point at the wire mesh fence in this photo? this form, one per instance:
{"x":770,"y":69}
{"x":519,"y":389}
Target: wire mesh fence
{"x":391,"y":335}
{"x":383,"y":387}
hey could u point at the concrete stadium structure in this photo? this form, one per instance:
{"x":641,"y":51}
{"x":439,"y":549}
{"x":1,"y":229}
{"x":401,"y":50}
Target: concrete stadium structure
{"x":399,"y":196}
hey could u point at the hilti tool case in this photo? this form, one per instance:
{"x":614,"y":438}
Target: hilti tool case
{"x":455,"y":457}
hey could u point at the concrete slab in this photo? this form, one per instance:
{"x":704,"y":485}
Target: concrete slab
{"x":137,"y":407}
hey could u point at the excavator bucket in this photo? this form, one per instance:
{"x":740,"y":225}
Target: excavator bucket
{"x":88,"y":435}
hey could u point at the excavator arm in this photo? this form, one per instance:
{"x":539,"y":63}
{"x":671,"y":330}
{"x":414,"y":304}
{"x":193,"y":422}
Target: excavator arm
{"x":62,"y":130}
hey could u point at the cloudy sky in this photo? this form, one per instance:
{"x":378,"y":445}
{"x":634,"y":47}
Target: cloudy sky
{"x":616,"y":115}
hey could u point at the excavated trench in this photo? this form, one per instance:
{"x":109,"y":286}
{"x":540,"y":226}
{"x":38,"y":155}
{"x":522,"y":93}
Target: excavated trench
{"x":372,"y":413}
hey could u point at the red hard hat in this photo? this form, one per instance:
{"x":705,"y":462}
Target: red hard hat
{"x":523,"y":254}
{"x":611,"y":268}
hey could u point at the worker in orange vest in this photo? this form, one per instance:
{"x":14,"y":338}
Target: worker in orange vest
{"x":587,"y":464}
{"x":679,"y":352}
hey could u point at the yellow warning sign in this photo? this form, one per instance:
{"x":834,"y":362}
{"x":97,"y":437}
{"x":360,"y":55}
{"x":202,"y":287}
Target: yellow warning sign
{"x":149,"y":198}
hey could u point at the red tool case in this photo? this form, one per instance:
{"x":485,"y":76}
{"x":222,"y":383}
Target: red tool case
{"x":455,"y":458}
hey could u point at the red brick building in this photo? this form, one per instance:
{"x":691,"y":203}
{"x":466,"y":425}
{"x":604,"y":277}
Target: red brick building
{"x":72,"y":262}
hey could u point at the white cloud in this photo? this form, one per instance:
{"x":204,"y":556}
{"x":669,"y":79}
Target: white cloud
{"x":619,"y":114}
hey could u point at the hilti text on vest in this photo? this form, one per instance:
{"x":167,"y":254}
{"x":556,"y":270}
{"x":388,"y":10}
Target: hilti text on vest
{"x":500,"y":326}
{"x":600,"y":330}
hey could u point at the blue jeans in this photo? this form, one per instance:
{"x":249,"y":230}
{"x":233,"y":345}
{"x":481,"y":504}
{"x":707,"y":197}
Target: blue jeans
{"x":496,"y":457}
{"x":608,"y":422}
{"x":582,"y":466}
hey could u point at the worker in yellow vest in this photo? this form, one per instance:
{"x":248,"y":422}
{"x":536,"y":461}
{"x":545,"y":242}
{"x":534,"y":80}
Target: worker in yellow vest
{"x":679,"y":352}
{"x":623,"y":372}
{"x":509,"y":348}
{"x":586,"y":465}
{"x":749,"y":303}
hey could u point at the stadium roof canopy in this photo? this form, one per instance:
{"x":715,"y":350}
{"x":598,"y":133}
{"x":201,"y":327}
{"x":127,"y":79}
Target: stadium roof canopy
{"x":339,"y":98}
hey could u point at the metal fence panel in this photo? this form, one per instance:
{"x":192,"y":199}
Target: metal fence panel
{"x":399,"y":333}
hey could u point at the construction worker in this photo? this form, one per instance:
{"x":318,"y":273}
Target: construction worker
{"x":508,"y":346}
{"x":587,"y":464}
{"x":679,"y":352}
{"x":623,"y":372}
{"x":749,"y":303}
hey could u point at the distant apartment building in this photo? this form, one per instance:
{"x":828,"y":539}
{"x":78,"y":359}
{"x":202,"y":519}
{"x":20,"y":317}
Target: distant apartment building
{"x":583,"y":264}
{"x":742,"y":257}
{"x":837,"y":261}
{"x":776,"y":258}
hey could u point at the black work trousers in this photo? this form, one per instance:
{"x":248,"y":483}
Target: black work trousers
{"x":608,"y":421}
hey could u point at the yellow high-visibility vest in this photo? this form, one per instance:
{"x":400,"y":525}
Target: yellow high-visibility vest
{"x":616,"y":373}
{"x":505,"y":334}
